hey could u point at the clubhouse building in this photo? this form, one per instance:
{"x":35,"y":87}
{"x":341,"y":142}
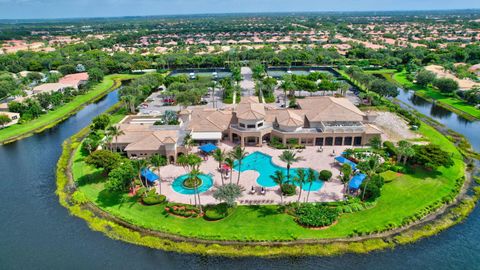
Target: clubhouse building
{"x":318,"y":121}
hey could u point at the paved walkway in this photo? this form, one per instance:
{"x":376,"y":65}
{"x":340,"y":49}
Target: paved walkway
{"x":247,"y":84}
{"x":331,"y":191}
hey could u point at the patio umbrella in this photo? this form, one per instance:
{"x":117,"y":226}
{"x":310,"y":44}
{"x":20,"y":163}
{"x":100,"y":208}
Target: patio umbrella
{"x":225,"y":167}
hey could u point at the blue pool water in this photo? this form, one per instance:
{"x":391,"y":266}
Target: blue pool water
{"x":262,"y":163}
{"x":207,"y":183}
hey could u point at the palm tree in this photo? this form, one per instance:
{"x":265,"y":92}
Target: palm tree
{"x":188,"y":142}
{"x":370,"y":167}
{"x":346,"y":171}
{"x":194,"y":174}
{"x":139,"y":165}
{"x":300,"y":179}
{"x":348,"y":153}
{"x":89,"y":144}
{"x":405,"y":151}
{"x":219,"y":155}
{"x":107,"y":143}
{"x":158,"y":161}
{"x":230,"y":162}
{"x":311,"y":177}
{"x":287,"y":86}
{"x":114,"y":131}
{"x":279,"y":178}
{"x":343,"y":87}
{"x":192,"y":163}
{"x":289,"y":157}
{"x":238,"y":153}
{"x":130,"y":99}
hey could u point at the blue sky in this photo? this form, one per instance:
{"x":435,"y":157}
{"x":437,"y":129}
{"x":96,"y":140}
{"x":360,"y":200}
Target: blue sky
{"x":27,"y":9}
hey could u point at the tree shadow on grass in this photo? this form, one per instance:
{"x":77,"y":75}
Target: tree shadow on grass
{"x":108,"y":199}
{"x":421,"y":173}
{"x":265,"y":211}
{"x":92,"y":178}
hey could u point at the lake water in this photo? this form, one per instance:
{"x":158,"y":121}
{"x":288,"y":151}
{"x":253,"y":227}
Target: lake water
{"x":37,"y":233}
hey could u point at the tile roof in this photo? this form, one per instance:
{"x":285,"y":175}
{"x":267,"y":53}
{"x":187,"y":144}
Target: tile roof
{"x":330,"y":109}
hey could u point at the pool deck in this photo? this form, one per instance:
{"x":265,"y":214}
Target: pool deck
{"x":330,"y":191}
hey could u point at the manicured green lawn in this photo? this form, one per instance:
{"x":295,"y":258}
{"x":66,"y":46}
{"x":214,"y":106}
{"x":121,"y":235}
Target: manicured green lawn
{"x":431,"y":93}
{"x":402,"y":197}
{"x":53,"y":116}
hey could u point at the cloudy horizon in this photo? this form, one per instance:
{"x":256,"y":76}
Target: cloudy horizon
{"x":56,"y":9}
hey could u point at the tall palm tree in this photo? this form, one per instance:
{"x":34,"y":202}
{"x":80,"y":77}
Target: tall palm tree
{"x":158,"y":161}
{"x":114,"y":131}
{"x":107,"y":143}
{"x":279,"y":178}
{"x":130,"y":99}
{"x":188,"y":142}
{"x":192,"y":163}
{"x":289,"y":157}
{"x":219,"y":155}
{"x":370,"y":167}
{"x":300,"y":179}
{"x":139,"y":165}
{"x":230,"y":162}
{"x":287,"y":86}
{"x":238,"y":153}
{"x":194,"y":174}
{"x":311,"y":177}
{"x":405,"y":151}
{"x":343,"y":87}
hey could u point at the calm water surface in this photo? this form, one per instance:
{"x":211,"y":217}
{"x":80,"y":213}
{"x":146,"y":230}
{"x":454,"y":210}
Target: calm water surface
{"x":37,"y":233}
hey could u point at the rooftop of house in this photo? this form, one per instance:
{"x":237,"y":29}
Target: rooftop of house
{"x":74,"y":79}
{"x":250,"y":109}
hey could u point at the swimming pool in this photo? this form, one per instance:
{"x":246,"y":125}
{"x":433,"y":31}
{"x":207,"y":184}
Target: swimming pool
{"x":207,"y":183}
{"x":262,"y":163}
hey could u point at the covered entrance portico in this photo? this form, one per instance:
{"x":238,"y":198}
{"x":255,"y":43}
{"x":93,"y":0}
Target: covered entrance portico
{"x":248,"y":138}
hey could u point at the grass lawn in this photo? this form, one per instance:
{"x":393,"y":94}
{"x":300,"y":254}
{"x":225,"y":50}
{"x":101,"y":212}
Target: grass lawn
{"x":431,"y":93}
{"x":402,"y":197}
{"x":60,"y":113}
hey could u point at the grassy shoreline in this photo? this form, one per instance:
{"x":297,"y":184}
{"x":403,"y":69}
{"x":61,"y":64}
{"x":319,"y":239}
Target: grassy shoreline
{"x":450,"y":103}
{"x":114,"y":228}
{"x":437,"y":213}
{"x":53,"y":118}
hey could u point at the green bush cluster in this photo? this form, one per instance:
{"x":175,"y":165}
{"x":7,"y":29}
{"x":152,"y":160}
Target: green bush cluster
{"x":184,"y":210}
{"x":152,"y":198}
{"x":390,"y":148}
{"x":291,"y":144}
{"x":217,"y":212}
{"x":315,"y":215}
{"x":289,"y":189}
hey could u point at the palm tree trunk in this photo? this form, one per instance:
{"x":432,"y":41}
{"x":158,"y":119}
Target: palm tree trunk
{"x":281,"y":194}
{"x":399,"y":158}
{"x":300,"y":193}
{"x":199,"y":203}
{"x":309,"y":188}
{"x":239,"y":166}
{"x":364,"y":189}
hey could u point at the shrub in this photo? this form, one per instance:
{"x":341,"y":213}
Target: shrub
{"x":315,"y":215}
{"x":217,"y":212}
{"x":446,"y":85}
{"x":325,"y":175}
{"x":289,"y":189}
{"x":154,"y":199}
{"x":184,"y":210}
{"x":390,"y":148}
